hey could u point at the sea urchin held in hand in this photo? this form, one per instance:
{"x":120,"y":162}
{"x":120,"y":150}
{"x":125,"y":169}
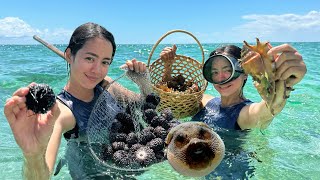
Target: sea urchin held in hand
{"x":40,"y":98}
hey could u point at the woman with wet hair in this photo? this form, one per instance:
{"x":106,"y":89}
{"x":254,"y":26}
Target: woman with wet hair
{"x":231,"y":114}
{"x":89,"y":55}
{"x":232,"y":110}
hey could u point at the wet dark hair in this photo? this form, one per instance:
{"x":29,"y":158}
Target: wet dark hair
{"x":88,"y":31}
{"x":230,"y":50}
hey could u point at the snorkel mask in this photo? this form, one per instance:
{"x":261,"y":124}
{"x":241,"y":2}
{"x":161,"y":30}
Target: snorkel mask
{"x":227,"y":70}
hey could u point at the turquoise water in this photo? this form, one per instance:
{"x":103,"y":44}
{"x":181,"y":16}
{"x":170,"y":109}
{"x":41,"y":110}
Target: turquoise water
{"x":288,"y":149}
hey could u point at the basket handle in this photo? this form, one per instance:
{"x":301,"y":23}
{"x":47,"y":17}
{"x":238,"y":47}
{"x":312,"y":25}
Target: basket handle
{"x":170,"y":32}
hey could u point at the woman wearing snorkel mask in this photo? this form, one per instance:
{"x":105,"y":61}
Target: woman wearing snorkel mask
{"x":232,"y":110}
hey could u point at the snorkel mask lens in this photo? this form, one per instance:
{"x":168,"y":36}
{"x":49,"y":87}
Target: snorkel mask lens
{"x":221,"y":69}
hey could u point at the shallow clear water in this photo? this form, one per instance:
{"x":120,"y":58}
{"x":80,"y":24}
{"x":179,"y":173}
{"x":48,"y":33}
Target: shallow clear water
{"x":288,"y":149}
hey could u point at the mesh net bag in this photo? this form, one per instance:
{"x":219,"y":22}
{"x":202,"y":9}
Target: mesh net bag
{"x":182,"y":103}
{"x":127,"y":135}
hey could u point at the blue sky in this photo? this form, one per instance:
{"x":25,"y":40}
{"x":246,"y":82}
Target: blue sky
{"x":145,"y":21}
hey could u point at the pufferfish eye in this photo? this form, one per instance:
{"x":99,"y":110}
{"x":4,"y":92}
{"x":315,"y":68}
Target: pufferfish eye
{"x":204,"y":133}
{"x":180,"y":138}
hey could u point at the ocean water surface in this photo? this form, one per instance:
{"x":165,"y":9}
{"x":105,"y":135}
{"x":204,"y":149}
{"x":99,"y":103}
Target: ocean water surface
{"x":288,"y":149}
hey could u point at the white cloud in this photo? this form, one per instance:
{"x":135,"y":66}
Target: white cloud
{"x":13,"y":30}
{"x":273,"y":28}
{"x":284,"y":27}
{"x":15,"y":27}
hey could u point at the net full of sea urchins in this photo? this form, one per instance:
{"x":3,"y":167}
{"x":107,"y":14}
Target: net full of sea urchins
{"x":135,"y":149}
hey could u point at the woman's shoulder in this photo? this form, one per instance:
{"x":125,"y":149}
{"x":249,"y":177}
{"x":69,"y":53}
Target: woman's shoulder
{"x":205,"y":99}
{"x":105,"y":82}
{"x":66,"y":118}
{"x":247,"y":102}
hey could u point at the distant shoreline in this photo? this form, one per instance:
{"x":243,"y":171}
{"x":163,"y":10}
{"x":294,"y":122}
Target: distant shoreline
{"x":167,"y":43}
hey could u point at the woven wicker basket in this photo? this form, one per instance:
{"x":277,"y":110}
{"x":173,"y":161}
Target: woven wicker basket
{"x":182,"y":104}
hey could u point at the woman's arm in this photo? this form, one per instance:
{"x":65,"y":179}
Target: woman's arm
{"x":205,"y":99}
{"x":259,"y":115}
{"x":31,"y":132}
{"x":41,"y":166}
{"x":290,"y":69}
{"x":35,"y":167}
{"x":123,"y":94}
{"x":64,"y":123}
{"x":138,"y":73}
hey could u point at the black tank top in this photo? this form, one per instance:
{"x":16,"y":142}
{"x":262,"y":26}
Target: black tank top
{"x":81,"y":111}
{"x":222,"y":117}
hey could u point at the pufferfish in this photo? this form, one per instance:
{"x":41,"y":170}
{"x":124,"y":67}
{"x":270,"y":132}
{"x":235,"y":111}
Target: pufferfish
{"x":194,"y":149}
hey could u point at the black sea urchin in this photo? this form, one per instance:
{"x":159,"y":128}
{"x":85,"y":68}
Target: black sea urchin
{"x":148,"y":128}
{"x":131,"y":138}
{"x":118,"y":146}
{"x":121,"y":158}
{"x":40,"y":98}
{"x":153,"y":98}
{"x":107,"y":152}
{"x":135,"y":147}
{"x":160,"y":132}
{"x":167,"y":114}
{"x":159,"y":121}
{"x":117,"y":137}
{"x":149,"y":114}
{"x":116,"y":126}
{"x":145,"y":136}
{"x":148,"y":105}
{"x":156,"y":144}
{"x":126,"y":121}
{"x":160,"y":155}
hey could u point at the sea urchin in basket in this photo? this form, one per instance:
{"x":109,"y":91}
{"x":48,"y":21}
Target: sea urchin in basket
{"x":179,"y":83}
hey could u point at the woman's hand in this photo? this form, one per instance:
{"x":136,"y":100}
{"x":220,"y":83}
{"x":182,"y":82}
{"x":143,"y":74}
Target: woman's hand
{"x":279,"y":100}
{"x":168,"y":53}
{"x":31,"y":131}
{"x":290,"y":66}
{"x":134,"y":65}
{"x":138,"y":74}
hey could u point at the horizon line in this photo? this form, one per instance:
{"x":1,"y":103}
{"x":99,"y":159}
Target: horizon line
{"x":174,"y":43}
